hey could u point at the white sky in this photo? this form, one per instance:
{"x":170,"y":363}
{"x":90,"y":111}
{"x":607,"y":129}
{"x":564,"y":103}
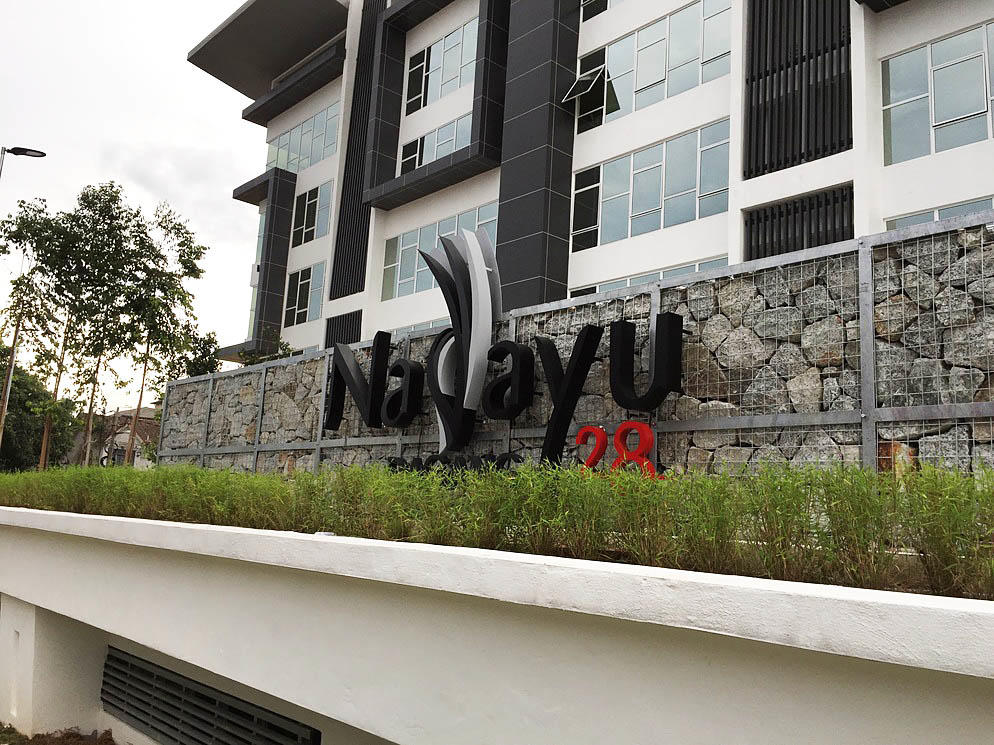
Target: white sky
{"x":103,"y":86}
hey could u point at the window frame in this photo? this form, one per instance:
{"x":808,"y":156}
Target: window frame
{"x":308,"y":207}
{"x":604,"y":51}
{"x":464,"y":65}
{"x":278,"y":156}
{"x":987,"y":64}
{"x":634,"y":171}
{"x":420,"y":149}
{"x":313,"y":295}
{"x":934,"y":213}
{"x":647,"y":278}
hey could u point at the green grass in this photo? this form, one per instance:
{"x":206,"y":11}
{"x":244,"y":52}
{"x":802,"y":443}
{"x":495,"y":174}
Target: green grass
{"x":929,"y":531}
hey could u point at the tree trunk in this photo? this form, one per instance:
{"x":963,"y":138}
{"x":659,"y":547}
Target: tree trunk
{"x":141,"y":392}
{"x":47,"y":432}
{"x":9,"y":377}
{"x":87,"y":440}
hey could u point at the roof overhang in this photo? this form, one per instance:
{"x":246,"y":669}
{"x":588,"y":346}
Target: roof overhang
{"x":265,"y":38}
{"x":880,"y":5}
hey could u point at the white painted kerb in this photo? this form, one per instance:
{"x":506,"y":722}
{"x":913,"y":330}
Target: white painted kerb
{"x":936,"y":633}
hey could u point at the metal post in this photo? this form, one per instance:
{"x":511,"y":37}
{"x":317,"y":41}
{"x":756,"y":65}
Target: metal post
{"x":326,"y":361}
{"x":867,"y":357}
{"x":9,"y":377}
{"x":207,"y":421}
{"x":3,"y":153}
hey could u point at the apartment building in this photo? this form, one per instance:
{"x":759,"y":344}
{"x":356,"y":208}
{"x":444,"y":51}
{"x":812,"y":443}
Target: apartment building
{"x":600,"y":143}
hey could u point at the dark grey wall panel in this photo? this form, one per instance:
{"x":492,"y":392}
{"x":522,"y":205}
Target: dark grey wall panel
{"x":812,"y":220}
{"x":348,"y":269}
{"x":798,"y":87}
{"x":537,"y":156}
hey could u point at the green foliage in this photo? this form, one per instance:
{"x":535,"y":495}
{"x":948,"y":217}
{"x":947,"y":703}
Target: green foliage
{"x":29,"y":402}
{"x":929,"y":531}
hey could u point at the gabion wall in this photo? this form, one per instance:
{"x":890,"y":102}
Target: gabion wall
{"x":878,"y":352}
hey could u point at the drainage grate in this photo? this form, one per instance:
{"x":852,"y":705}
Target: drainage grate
{"x":172,"y":709}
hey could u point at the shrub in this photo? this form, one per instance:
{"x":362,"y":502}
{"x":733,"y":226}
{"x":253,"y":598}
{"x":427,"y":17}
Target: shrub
{"x":926,"y":531}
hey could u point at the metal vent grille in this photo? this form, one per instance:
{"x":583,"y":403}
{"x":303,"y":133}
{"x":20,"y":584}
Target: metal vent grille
{"x":798,"y":83}
{"x":343,"y":329}
{"x":818,"y":219}
{"x":175,"y":710}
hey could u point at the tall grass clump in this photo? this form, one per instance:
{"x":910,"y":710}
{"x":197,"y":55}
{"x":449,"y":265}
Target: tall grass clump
{"x":930,"y":530}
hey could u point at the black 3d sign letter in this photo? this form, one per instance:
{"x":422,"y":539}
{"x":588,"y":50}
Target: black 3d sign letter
{"x":666,"y":369}
{"x":403,"y":404}
{"x":508,"y":395}
{"x":346,"y":374}
{"x":565,"y":387}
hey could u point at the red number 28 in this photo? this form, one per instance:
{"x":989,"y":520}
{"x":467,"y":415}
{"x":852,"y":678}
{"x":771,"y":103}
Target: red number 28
{"x":646,"y":441}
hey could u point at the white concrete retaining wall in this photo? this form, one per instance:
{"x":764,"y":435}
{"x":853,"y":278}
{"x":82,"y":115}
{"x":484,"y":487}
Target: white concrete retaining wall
{"x":437,"y":646}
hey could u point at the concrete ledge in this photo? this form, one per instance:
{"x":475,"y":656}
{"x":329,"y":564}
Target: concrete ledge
{"x":921,"y":631}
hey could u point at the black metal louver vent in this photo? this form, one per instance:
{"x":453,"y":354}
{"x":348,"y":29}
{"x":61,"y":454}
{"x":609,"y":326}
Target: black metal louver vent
{"x":813,"y":220}
{"x":798,"y":83}
{"x":343,"y":329}
{"x":174,"y":710}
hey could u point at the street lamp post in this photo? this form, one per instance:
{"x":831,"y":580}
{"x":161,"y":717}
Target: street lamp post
{"x":9,"y":377}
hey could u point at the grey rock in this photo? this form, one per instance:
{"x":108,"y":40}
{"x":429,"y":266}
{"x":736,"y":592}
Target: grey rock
{"x":756,"y":308}
{"x":983,"y":458}
{"x":822,"y":342}
{"x":703,"y":378}
{"x":926,"y":377}
{"x":817,"y":448}
{"x":715,"y":331}
{"x":767,"y":394}
{"x":954,"y":307}
{"x":712,"y":439}
{"x":969,"y":237}
{"x":780,"y":323}
{"x":982,"y":290}
{"x":907,"y":431}
{"x":948,"y":449}
{"x":970,"y":346}
{"x":715,"y":409}
{"x":961,"y":385}
{"x":886,"y":279}
{"x":788,"y":361}
{"x":976,"y":264}
{"x":893,"y":371}
{"x":687,"y":407}
{"x":772,"y":285}
{"x":846,"y":434}
{"x":730,"y":458}
{"x":893,"y":316}
{"x":816,"y":303}
{"x":790,"y":442}
{"x":852,"y":455}
{"x":759,"y":437}
{"x":768,"y":454}
{"x":833,"y":398}
{"x":919,"y":286}
{"x":691,"y":328}
{"x":743,"y":349}
{"x":735,"y":298}
{"x":842,"y":279}
{"x":699,"y":459}
{"x":799,"y":276}
{"x":852,"y":349}
{"x":932,"y":254}
{"x":924,"y":336}
{"x":983,"y":428}
{"x":701,"y":300}
{"x":806,"y":391}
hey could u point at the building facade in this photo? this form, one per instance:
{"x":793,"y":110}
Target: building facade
{"x":600,"y":143}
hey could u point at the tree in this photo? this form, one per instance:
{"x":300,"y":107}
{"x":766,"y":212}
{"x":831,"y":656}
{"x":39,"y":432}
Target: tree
{"x":29,"y":397}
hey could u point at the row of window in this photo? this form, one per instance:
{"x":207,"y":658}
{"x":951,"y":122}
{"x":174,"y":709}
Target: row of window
{"x":307,"y":144}
{"x":668,"y":57}
{"x":645,"y":279}
{"x":938,"y":96}
{"x":956,"y":210}
{"x":673,"y":182}
{"x":304,"y":292}
{"x":438,"y":323}
{"x":405,"y":272}
{"x":444,"y":67}
{"x":312,"y":214}
{"x":436,"y":144}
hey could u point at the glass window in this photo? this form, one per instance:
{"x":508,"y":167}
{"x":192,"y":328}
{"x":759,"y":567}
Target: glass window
{"x":443,"y":67}
{"x":304,"y":295}
{"x":405,"y":271}
{"x":312,"y":214}
{"x":308,"y":143}
{"x":937,"y":97}
{"x":907,"y":131}
{"x":436,"y":144}
{"x":969,"y":208}
{"x":666,"y":184}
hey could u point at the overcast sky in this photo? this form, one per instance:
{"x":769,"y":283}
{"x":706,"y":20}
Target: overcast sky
{"x":103,"y":86}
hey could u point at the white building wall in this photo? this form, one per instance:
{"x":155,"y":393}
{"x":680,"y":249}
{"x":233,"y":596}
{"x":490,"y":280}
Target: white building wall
{"x":439,"y":646}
